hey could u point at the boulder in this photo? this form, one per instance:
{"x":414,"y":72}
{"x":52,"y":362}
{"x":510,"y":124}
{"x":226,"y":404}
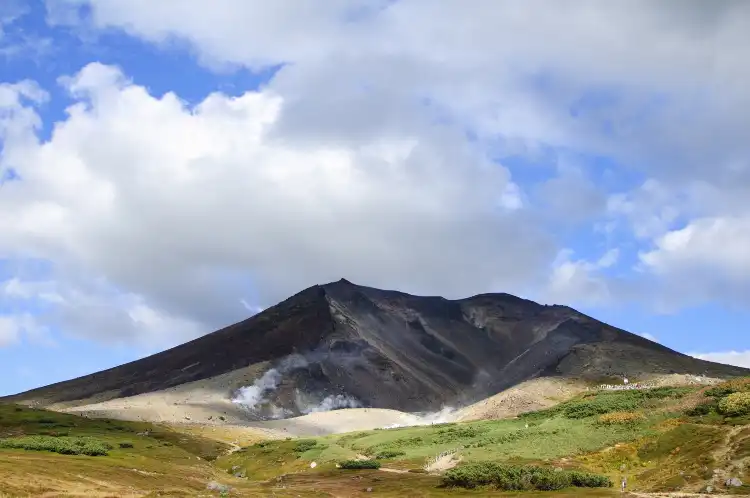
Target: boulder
{"x":734,"y":482}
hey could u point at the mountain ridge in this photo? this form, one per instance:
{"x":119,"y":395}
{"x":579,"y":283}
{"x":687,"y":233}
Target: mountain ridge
{"x":390,"y":349}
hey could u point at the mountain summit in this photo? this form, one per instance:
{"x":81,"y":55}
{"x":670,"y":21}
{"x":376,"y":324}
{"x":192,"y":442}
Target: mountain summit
{"x":360,"y":346}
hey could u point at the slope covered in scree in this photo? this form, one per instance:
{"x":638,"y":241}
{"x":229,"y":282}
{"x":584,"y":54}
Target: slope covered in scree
{"x":391,"y":350}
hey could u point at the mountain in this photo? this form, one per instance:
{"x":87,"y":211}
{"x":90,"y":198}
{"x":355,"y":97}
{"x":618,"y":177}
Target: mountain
{"x":342,"y":344}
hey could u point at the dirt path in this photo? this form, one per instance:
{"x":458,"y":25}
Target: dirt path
{"x":722,"y":454}
{"x":667,"y":495}
{"x":394,"y":471}
{"x":233,"y":448}
{"x":726,"y":467}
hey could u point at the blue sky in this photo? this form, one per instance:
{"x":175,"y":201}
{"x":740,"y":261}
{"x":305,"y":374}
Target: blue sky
{"x":169,"y":171}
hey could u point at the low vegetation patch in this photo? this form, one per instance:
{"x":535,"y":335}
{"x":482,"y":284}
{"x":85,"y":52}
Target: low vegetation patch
{"x":600,"y":403}
{"x":359,"y":464}
{"x":741,"y":385}
{"x":621,"y":418}
{"x":520,"y":478}
{"x":384,"y":455}
{"x":62,"y":445}
{"x":735,"y":404}
{"x":703,"y":409}
{"x":304,"y":445}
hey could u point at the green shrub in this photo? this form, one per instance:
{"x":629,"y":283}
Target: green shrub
{"x":304,"y":445}
{"x":359,"y":464}
{"x":551,"y":481}
{"x":517,"y":478}
{"x":126,"y":445}
{"x":702,"y":409}
{"x":735,"y":404}
{"x":406,"y":442}
{"x":724,"y":389}
{"x":473,"y":475}
{"x":389,"y":454}
{"x":599,"y":406}
{"x":600,"y":403}
{"x":62,"y":445}
{"x":587,"y":480}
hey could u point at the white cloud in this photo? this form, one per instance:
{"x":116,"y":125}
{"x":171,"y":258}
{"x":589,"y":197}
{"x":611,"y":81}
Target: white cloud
{"x":651,"y":209}
{"x":477,"y":60}
{"x":571,"y":196}
{"x":580,"y":280}
{"x":708,"y":258}
{"x":715,"y":244}
{"x":13,"y":327}
{"x":9,"y":330}
{"x":648,"y":336}
{"x":10,"y":11}
{"x":158,"y":217}
{"x":738,"y":358}
{"x":354,"y":160}
{"x":624,"y":78}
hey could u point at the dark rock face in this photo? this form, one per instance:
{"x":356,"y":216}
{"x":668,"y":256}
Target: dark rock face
{"x":393,"y":350}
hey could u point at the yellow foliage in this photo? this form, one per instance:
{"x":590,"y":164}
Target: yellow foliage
{"x":735,"y":404}
{"x":615,"y":418}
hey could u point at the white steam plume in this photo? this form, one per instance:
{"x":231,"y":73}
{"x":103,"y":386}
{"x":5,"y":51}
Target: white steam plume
{"x":332,"y":402}
{"x":256,"y":394}
{"x":442,"y":416}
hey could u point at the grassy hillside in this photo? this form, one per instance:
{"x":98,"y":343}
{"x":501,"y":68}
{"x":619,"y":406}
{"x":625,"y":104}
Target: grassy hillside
{"x":663,"y":439}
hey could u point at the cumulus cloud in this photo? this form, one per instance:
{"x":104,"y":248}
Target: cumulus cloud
{"x":17,"y":325}
{"x":371,"y":154}
{"x":481,"y":61}
{"x":709,"y":257}
{"x":626,"y":78}
{"x":737,"y":358}
{"x":580,"y":280}
{"x":571,"y":196}
{"x":9,"y":330}
{"x":171,"y":222}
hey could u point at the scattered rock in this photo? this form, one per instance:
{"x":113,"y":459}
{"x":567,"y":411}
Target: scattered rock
{"x":241,"y":474}
{"x":235,"y":468}
{"x":313,"y":465}
{"x":709,"y":489}
{"x":368,"y":490}
{"x":734,"y":482}
{"x":215,"y":486}
{"x":623,"y":467}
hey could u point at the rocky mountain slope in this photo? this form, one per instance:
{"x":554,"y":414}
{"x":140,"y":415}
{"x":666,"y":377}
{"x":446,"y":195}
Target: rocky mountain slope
{"x":341,"y":344}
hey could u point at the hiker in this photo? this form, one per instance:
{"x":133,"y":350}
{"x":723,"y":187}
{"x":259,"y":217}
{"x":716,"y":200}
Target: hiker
{"x":623,"y":484}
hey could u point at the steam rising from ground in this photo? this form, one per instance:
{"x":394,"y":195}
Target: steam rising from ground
{"x":332,"y":402}
{"x":442,"y":416}
{"x":257,"y":395}
{"x":254,"y":396}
